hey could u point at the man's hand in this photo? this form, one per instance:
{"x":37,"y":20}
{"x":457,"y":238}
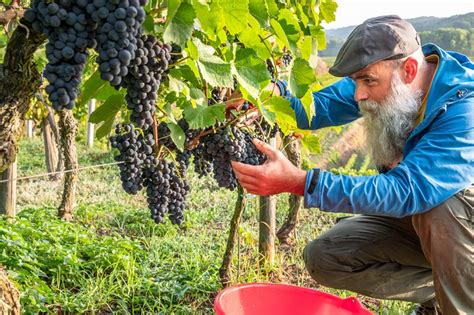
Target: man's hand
{"x":275,"y":176}
{"x":235,"y":102}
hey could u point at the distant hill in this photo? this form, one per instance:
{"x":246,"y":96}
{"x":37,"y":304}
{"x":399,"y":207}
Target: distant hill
{"x":430,"y":29}
{"x":421,"y":24}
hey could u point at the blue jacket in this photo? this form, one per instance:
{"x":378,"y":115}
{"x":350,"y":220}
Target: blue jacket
{"x":438,"y":157}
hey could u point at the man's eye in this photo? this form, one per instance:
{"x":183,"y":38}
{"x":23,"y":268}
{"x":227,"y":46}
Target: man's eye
{"x":369,"y":81}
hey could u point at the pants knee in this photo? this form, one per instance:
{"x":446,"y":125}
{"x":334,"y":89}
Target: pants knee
{"x":317,"y":262}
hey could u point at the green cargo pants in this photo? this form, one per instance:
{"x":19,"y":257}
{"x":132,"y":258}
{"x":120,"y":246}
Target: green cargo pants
{"x":425,"y":258}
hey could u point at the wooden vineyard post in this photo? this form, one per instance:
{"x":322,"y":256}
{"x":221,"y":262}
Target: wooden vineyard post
{"x":29,"y":128}
{"x":8,"y":191}
{"x":50,"y":149}
{"x":267,"y":222}
{"x":90,"y":126}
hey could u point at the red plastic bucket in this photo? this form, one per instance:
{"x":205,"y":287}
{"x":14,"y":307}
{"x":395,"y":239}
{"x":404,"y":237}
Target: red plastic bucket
{"x":283,"y":299}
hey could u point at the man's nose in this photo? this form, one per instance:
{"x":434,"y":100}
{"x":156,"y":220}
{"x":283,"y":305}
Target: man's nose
{"x":360,"y":94}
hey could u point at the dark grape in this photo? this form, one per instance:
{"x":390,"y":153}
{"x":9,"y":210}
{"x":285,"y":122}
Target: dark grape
{"x":66,"y":50}
{"x":286,"y":59}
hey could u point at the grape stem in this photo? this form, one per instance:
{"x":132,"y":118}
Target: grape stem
{"x":155,"y":134}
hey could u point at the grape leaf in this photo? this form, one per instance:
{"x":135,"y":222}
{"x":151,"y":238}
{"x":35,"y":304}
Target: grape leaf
{"x":91,"y":88}
{"x":235,"y":14}
{"x":284,"y":114}
{"x":251,"y":72}
{"x":180,"y":28}
{"x":204,"y":116}
{"x":258,"y":8}
{"x":215,"y":71}
{"x":109,"y":109}
{"x":210,"y":18}
{"x":177,"y":135}
{"x":311,"y":142}
{"x":327,"y":10}
{"x":105,"y":128}
{"x":301,"y":76}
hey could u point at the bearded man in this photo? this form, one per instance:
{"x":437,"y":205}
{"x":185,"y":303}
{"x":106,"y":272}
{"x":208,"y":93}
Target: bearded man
{"x":412,"y":238}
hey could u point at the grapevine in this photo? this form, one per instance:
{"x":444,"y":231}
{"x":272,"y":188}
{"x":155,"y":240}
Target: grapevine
{"x":127,"y":58}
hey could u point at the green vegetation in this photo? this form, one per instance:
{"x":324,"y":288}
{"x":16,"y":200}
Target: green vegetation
{"x":113,"y":258}
{"x":457,"y":39}
{"x":451,"y":33}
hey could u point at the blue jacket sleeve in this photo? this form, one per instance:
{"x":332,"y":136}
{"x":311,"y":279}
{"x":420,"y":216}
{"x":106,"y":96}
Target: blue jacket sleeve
{"x":440,"y":165}
{"x":334,"y":105}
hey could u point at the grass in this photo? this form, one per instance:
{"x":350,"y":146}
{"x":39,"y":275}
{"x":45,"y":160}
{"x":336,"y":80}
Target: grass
{"x":113,"y":259}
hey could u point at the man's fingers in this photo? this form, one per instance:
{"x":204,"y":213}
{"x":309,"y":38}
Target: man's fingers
{"x":246,"y":179}
{"x":245,"y":169}
{"x":266,"y":149}
{"x":251,"y":189}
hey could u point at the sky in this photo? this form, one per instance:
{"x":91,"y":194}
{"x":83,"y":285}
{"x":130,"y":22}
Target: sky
{"x":353,"y":12}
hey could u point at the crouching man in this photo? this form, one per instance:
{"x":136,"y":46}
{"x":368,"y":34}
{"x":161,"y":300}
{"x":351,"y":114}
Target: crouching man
{"x":412,"y":238}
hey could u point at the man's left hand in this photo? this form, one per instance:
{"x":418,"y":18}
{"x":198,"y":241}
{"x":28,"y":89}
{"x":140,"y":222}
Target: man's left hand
{"x":275,"y":176}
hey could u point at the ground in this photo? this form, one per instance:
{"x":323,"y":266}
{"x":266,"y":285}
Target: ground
{"x":113,"y":259}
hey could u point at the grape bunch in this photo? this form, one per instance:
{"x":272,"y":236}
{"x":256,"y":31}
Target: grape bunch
{"x":144,"y":78}
{"x":166,"y":191}
{"x":70,"y":33}
{"x":266,"y":130}
{"x":129,"y":143}
{"x":219,"y":148}
{"x":119,"y":26}
{"x":286,"y":59}
{"x":271,"y":68}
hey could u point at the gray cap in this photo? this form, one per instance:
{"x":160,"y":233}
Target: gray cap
{"x":385,"y":37}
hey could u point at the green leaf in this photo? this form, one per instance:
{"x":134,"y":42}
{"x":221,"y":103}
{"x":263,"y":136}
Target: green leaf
{"x":148,"y":24}
{"x":327,"y":10}
{"x":197,"y":95}
{"x":177,"y":135}
{"x":172,"y":8}
{"x":258,"y":8}
{"x":184,"y":73}
{"x":301,"y":76}
{"x":280,"y":105}
{"x":105,"y":92}
{"x":235,"y":14}
{"x":311,"y":143}
{"x":249,"y":37}
{"x":109,"y":109}
{"x":91,"y":88}
{"x":203,"y":49}
{"x":284,"y":114}
{"x":306,"y":47}
{"x":215,"y":71}
{"x":308,"y":104}
{"x":181,"y":25}
{"x":204,"y":116}
{"x":272,"y":8}
{"x":251,"y":72}
{"x":279,"y":32}
{"x":290,"y":26}
{"x":210,"y":18}
{"x":105,"y":128}
{"x":178,"y":86}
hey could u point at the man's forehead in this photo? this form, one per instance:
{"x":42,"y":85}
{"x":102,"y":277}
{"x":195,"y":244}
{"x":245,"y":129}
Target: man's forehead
{"x":370,"y":71}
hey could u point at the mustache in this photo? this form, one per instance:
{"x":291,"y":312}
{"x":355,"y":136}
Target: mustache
{"x":388,"y":123}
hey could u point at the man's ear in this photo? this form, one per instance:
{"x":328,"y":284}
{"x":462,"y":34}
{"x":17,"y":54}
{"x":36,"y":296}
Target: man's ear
{"x":409,"y":70}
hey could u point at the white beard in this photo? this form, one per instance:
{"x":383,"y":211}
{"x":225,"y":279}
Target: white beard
{"x":389,"y":123}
